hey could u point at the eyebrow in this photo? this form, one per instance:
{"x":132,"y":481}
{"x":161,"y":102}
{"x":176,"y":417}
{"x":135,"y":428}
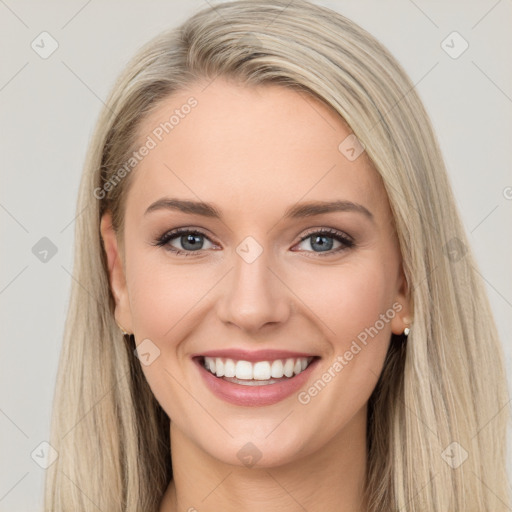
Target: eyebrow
{"x":308,"y":209}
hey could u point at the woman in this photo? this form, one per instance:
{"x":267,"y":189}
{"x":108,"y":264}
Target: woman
{"x":276,"y":306}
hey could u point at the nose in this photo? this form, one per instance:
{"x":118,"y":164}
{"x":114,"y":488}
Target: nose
{"x":253,"y":296}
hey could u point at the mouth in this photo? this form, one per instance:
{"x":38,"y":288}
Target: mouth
{"x":250,"y":384}
{"x":253,"y":378}
{"x":255,"y":373}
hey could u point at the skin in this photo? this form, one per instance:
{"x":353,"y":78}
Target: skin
{"x":254,"y":152}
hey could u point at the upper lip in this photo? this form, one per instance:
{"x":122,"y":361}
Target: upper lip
{"x":253,"y":355}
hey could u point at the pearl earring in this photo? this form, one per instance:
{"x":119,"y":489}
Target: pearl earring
{"x":407,"y":330}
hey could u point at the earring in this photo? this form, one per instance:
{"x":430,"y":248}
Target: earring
{"x":407,"y":330}
{"x":125,"y":333}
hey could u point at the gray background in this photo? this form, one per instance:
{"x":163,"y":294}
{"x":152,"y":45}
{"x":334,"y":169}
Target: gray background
{"x":48,"y":110}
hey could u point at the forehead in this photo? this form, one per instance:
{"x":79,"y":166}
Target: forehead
{"x":243,"y":147}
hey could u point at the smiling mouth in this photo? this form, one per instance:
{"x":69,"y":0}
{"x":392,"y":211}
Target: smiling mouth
{"x":260,"y":373}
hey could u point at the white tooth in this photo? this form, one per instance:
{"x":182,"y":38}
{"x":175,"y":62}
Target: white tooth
{"x":210,"y":363}
{"x":229,"y":368}
{"x":243,"y":370}
{"x":219,"y":367}
{"x":277,"y":369}
{"x":288,"y":367}
{"x":261,"y":370}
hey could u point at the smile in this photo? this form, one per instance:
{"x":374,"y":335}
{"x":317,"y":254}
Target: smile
{"x":258,"y":373}
{"x":255,"y":383}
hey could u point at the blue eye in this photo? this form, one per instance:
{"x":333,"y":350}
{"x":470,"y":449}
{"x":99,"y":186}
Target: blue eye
{"x":324,"y":240}
{"x":192,"y":241}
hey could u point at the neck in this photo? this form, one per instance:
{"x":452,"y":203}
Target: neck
{"x":330,"y":479}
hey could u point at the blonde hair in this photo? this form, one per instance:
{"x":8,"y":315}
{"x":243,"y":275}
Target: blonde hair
{"x":445,"y":385}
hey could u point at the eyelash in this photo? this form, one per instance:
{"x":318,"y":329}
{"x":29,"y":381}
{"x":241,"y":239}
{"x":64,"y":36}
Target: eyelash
{"x":163,"y":240}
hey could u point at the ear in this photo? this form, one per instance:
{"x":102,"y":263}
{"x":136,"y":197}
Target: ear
{"x":116,"y":272}
{"x":404,"y":315}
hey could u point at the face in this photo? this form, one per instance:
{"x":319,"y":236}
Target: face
{"x":257,"y":270}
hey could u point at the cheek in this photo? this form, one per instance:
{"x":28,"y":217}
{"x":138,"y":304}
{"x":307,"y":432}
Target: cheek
{"x":163,"y":297}
{"x":163,"y":294}
{"x":166,"y":302}
{"x":351,"y":305}
{"x":349,"y":298}
{"x":354,"y":303}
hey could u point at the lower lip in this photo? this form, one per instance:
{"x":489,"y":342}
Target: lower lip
{"x":254,"y":396}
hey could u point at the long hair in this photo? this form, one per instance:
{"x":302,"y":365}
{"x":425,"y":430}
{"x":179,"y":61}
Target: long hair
{"x":437,"y":419}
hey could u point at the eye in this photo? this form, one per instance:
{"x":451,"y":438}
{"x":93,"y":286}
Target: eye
{"x":190,"y":240}
{"x":186,"y":241}
{"x":323,"y":241}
